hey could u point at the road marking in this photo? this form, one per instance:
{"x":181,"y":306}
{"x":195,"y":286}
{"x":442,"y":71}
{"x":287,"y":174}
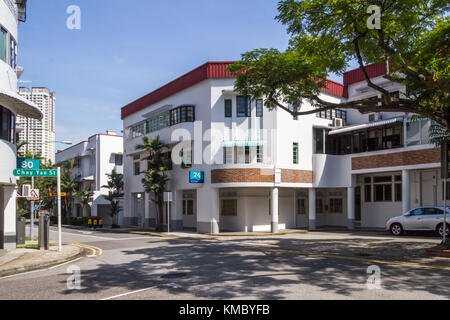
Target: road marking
{"x":89,"y":247}
{"x":399,"y":263}
{"x":84,"y":235}
{"x":41,"y":270}
{"x":128,"y":293}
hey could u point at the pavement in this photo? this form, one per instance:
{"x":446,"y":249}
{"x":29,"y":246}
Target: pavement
{"x":294,"y":266}
{"x":24,"y":260}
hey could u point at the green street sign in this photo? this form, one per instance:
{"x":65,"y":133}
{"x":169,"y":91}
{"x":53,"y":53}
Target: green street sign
{"x":35,"y":173}
{"x":30,"y":164}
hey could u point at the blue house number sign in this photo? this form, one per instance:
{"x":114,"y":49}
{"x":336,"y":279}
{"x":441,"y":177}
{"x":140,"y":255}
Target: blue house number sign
{"x":196,"y":177}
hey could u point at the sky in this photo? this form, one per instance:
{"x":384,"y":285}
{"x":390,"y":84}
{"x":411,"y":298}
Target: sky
{"x":128,"y":48}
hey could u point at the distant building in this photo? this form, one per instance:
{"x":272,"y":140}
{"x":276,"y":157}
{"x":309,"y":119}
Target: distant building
{"x":93,"y":160}
{"x":12,"y":105}
{"x":40,"y":134}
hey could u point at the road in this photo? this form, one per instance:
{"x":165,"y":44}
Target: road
{"x":298,"y":266}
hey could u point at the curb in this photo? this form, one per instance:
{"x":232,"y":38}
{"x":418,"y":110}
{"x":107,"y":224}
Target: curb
{"x":34,"y":267}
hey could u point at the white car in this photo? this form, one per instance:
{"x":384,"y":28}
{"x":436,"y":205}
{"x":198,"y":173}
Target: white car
{"x":420,"y":219}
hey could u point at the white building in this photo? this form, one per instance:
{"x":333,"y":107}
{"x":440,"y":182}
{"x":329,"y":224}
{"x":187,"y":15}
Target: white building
{"x":11,"y":106}
{"x":40,"y":134}
{"x":265,"y":170}
{"x":93,"y":160}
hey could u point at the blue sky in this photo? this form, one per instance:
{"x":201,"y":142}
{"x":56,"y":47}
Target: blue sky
{"x":126,"y":49}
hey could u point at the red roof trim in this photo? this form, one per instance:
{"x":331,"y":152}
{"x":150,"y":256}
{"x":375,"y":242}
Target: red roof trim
{"x":209,"y":70}
{"x":356,"y":75}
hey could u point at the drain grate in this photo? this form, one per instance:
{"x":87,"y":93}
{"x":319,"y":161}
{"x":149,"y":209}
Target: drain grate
{"x":173,"y":275}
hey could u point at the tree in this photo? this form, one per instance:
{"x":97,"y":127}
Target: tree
{"x":115,"y":194}
{"x":68,"y":185}
{"x":412,"y":39}
{"x":84,"y":197}
{"x":155,"y":179}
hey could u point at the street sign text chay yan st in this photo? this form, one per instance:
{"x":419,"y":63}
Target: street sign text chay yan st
{"x":35,"y":173}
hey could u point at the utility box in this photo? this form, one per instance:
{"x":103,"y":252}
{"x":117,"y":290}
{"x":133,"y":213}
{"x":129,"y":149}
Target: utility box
{"x":44,"y":231}
{"x":20,"y":231}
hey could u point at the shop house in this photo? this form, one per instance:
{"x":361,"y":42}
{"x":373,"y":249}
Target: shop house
{"x":270,"y":171}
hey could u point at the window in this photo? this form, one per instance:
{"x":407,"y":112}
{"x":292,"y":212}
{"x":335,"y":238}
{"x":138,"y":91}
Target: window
{"x":118,"y":159}
{"x":295,"y":153}
{"x":398,"y":188}
{"x":301,"y":206}
{"x":417,"y":212}
{"x":137,"y":168}
{"x":319,"y":205}
{"x":247,"y":155}
{"x":382,"y":188}
{"x":368,"y":189}
{"x":188,"y":207}
{"x":13,"y":53}
{"x":3,"y":44}
{"x":228,"y":108}
{"x":243,"y":106}
{"x":239,"y":154}
{"x":447,"y":190}
{"x":259,"y":108}
{"x":7,"y":125}
{"x":259,"y":154}
{"x":186,"y":155}
{"x":229,"y":207}
{"x":227,"y":155}
{"x":336,"y":206}
{"x":318,"y":142}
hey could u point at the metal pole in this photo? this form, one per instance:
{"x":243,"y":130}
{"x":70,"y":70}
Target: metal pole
{"x":445,"y":211}
{"x":59,"y":209}
{"x":32,"y":210}
{"x":168,"y":217}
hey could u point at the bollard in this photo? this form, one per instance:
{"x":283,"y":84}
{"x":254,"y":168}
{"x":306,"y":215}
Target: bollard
{"x":89,"y":222}
{"x":95,"y":223}
{"x":100,"y":223}
{"x":20,"y":231}
{"x":44,"y":231}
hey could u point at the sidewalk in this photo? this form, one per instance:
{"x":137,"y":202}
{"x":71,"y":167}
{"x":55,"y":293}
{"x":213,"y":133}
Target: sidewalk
{"x":24,"y":260}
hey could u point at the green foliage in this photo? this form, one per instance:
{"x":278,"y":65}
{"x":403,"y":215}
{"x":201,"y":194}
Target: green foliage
{"x":327,"y":35}
{"x":155,"y":179}
{"x":115,"y":194}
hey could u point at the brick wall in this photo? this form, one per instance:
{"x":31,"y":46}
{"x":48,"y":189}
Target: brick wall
{"x":296,"y":176}
{"x":242,"y":175}
{"x":259,"y":175}
{"x":397,"y":159}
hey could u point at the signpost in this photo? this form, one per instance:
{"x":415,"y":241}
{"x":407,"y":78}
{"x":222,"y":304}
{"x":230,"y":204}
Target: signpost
{"x":168,"y":198}
{"x":63,"y":194}
{"x":445,"y":167}
{"x":32,"y":170}
{"x":196,"y":177}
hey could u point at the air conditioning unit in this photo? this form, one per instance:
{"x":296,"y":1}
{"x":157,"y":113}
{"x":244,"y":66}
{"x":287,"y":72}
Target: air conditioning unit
{"x":374,"y":117}
{"x":26,"y":191}
{"x":338,"y":122}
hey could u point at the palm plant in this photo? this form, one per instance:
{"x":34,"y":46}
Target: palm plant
{"x":155,"y":179}
{"x":84,"y":197}
{"x":70,"y":187}
{"x":438,"y":135}
{"x":115,"y":187}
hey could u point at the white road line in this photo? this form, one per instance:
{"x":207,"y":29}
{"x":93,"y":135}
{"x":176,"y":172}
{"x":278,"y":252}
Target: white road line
{"x":128,"y":293}
{"x":84,"y":235}
{"x":40,"y":270}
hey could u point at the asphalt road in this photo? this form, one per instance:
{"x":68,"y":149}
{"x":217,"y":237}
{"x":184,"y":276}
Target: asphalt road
{"x":310,"y":266}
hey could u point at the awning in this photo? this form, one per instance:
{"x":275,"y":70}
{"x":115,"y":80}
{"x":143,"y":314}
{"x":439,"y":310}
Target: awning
{"x":366,"y":126}
{"x":241,"y":143}
{"x":23,"y":106}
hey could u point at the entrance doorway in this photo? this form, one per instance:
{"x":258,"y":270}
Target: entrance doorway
{"x":358,"y":204}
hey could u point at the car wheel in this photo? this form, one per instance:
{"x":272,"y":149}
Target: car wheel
{"x":396,"y":229}
{"x":440,"y":230}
